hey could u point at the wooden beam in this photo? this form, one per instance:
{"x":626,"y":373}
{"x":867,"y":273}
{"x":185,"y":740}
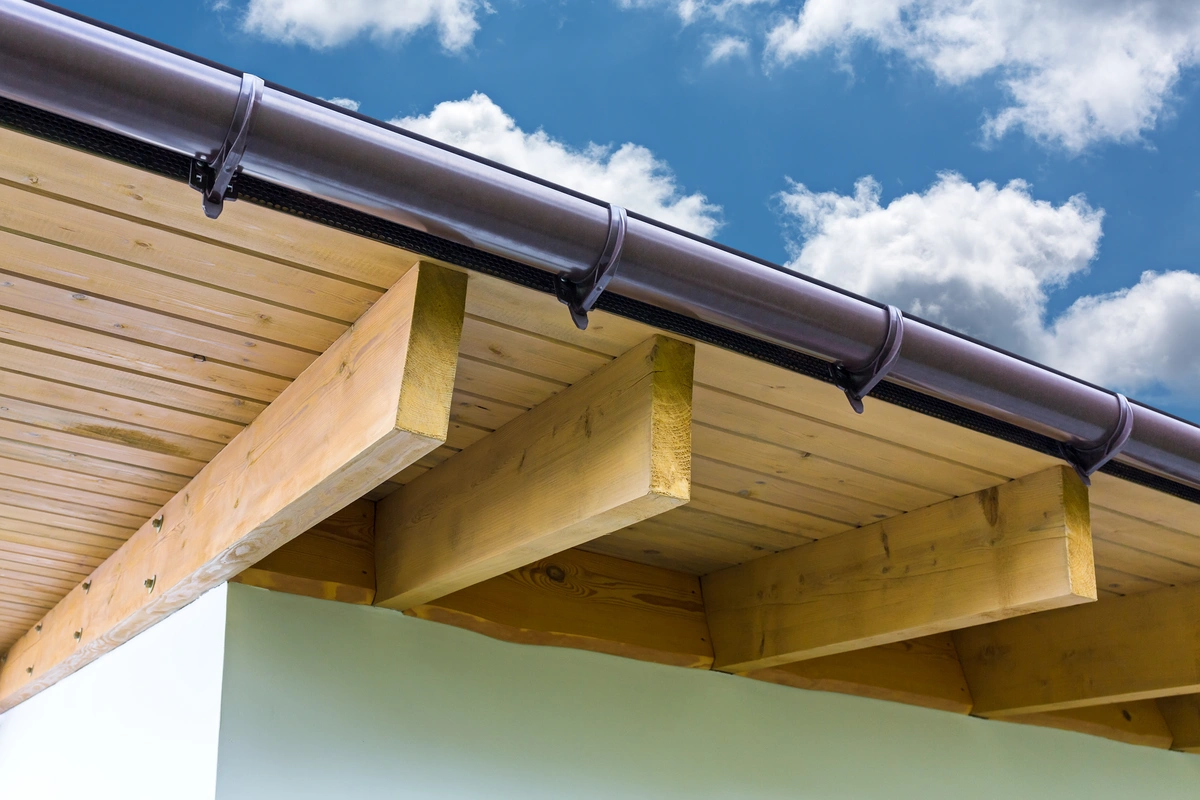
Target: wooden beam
{"x":588,"y":602}
{"x":919,"y":672}
{"x":1182,"y":715}
{"x":333,"y":560}
{"x":1021,"y":547}
{"x":609,"y":605}
{"x":595,"y":602}
{"x":377,"y":400}
{"x":1122,"y":649}
{"x":609,"y":451}
{"x":1138,"y":722}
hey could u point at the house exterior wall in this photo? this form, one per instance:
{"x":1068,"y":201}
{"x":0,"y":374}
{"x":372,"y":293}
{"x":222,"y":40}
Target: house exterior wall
{"x":141,"y":721}
{"x":328,"y":700}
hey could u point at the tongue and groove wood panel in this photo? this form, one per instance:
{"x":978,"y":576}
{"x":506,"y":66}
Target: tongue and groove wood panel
{"x":138,"y":337}
{"x":135,"y":344}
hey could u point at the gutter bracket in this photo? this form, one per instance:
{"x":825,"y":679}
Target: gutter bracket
{"x":1086,"y":459}
{"x":580,"y":296}
{"x":212,"y":173}
{"x":858,"y":383}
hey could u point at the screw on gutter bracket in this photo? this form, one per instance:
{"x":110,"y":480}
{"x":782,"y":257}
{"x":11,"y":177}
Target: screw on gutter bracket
{"x":38,"y":627}
{"x":213,"y":175}
{"x":157,"y":522}
{"x":858,"y":383}
{"x":29,"y":670}
{"x":580,"y":296}
{"x":1088,"y":458}
{"x":79,"y":634}
{"x":149,"y":583}
{"x":87,"y":586}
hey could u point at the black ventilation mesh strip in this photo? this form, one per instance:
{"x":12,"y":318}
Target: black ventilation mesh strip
{"x":172,"y":165}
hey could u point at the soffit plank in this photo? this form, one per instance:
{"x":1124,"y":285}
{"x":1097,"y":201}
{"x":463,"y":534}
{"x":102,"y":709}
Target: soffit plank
{"x":100,"y":377}
{"x":32,"y":445}
{"x":85,"y":481}
{"x":65,"y":397}
{"x":72,"y":306}
{"x":88,"y":180}
{"x":185,"y":368}
{"x":119,"y":431}
{"x":87,"y":273}
{"x":152,"y":466}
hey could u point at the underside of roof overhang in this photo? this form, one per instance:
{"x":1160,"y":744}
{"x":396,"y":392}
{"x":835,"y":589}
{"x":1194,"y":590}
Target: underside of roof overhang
{"x":265,"y":398}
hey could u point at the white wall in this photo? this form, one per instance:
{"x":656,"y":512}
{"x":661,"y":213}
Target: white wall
{"x":328,"y":700}
{"x":140,"y":722}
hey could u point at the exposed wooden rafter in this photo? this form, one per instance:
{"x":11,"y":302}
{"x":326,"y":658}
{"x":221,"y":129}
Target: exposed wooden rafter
{"x":1182,"y":716}
{"x":603,"y":454}
{"x":377,"y":400}
{"x":1022,"y":547}
{"x":594,"y":602}
{"x":1138,"y":722}
{"x":1130,"y":648}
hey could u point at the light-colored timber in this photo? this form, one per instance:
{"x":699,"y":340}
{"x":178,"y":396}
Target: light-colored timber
{"x":1136,"y":722}
{"x":588,"y":602}
{"x":333,"y":560}
{"x":1182,"y":715}
{"x":1019,"y":548}
{"x":140,"y":337}
{"x":919,"y":672}
{"x":1123,"y":649}
{"x":609,"y":451}
{"x":377,"y":400}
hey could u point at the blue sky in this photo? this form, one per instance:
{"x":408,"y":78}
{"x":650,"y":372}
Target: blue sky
{"x":1094,"y":107}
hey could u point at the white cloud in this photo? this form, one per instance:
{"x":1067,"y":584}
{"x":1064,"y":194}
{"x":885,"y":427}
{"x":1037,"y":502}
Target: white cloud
{"x":328,"y":23}
{"x":726,"y":48}
{"x":984,"y":259}
{"x":629,"y":175}
{"x":1077,"y":71}
{"x":344,"y":102}
{"x":690,"y":11}
{"x":1143,"y":338}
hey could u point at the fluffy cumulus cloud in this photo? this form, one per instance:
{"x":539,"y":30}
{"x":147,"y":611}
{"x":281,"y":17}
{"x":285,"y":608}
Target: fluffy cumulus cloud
{"x":328,"y":23}
{"x":629,"y":175}
{"x":1076,"y":71}
{"x":983,"y":259}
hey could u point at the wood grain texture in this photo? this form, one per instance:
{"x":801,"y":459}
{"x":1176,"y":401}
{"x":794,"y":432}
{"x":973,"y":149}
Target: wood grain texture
{"x":333,"y":560}
{"x":920,"y":672}
{"x":589,"y":602}
{"x":1021,"y":547}
{"x":86,"y":180}
{"x":607,"y":452}
{"x":377,"y":399}
{"x":1122,"y":649}
{"x":952,"y":445}
{"x":1182,"y":716}
{"x":74,"y":307}
{"x":1136,"y":722}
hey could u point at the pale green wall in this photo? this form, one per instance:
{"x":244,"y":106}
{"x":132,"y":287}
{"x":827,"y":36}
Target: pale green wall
{"x":329,"y":700}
